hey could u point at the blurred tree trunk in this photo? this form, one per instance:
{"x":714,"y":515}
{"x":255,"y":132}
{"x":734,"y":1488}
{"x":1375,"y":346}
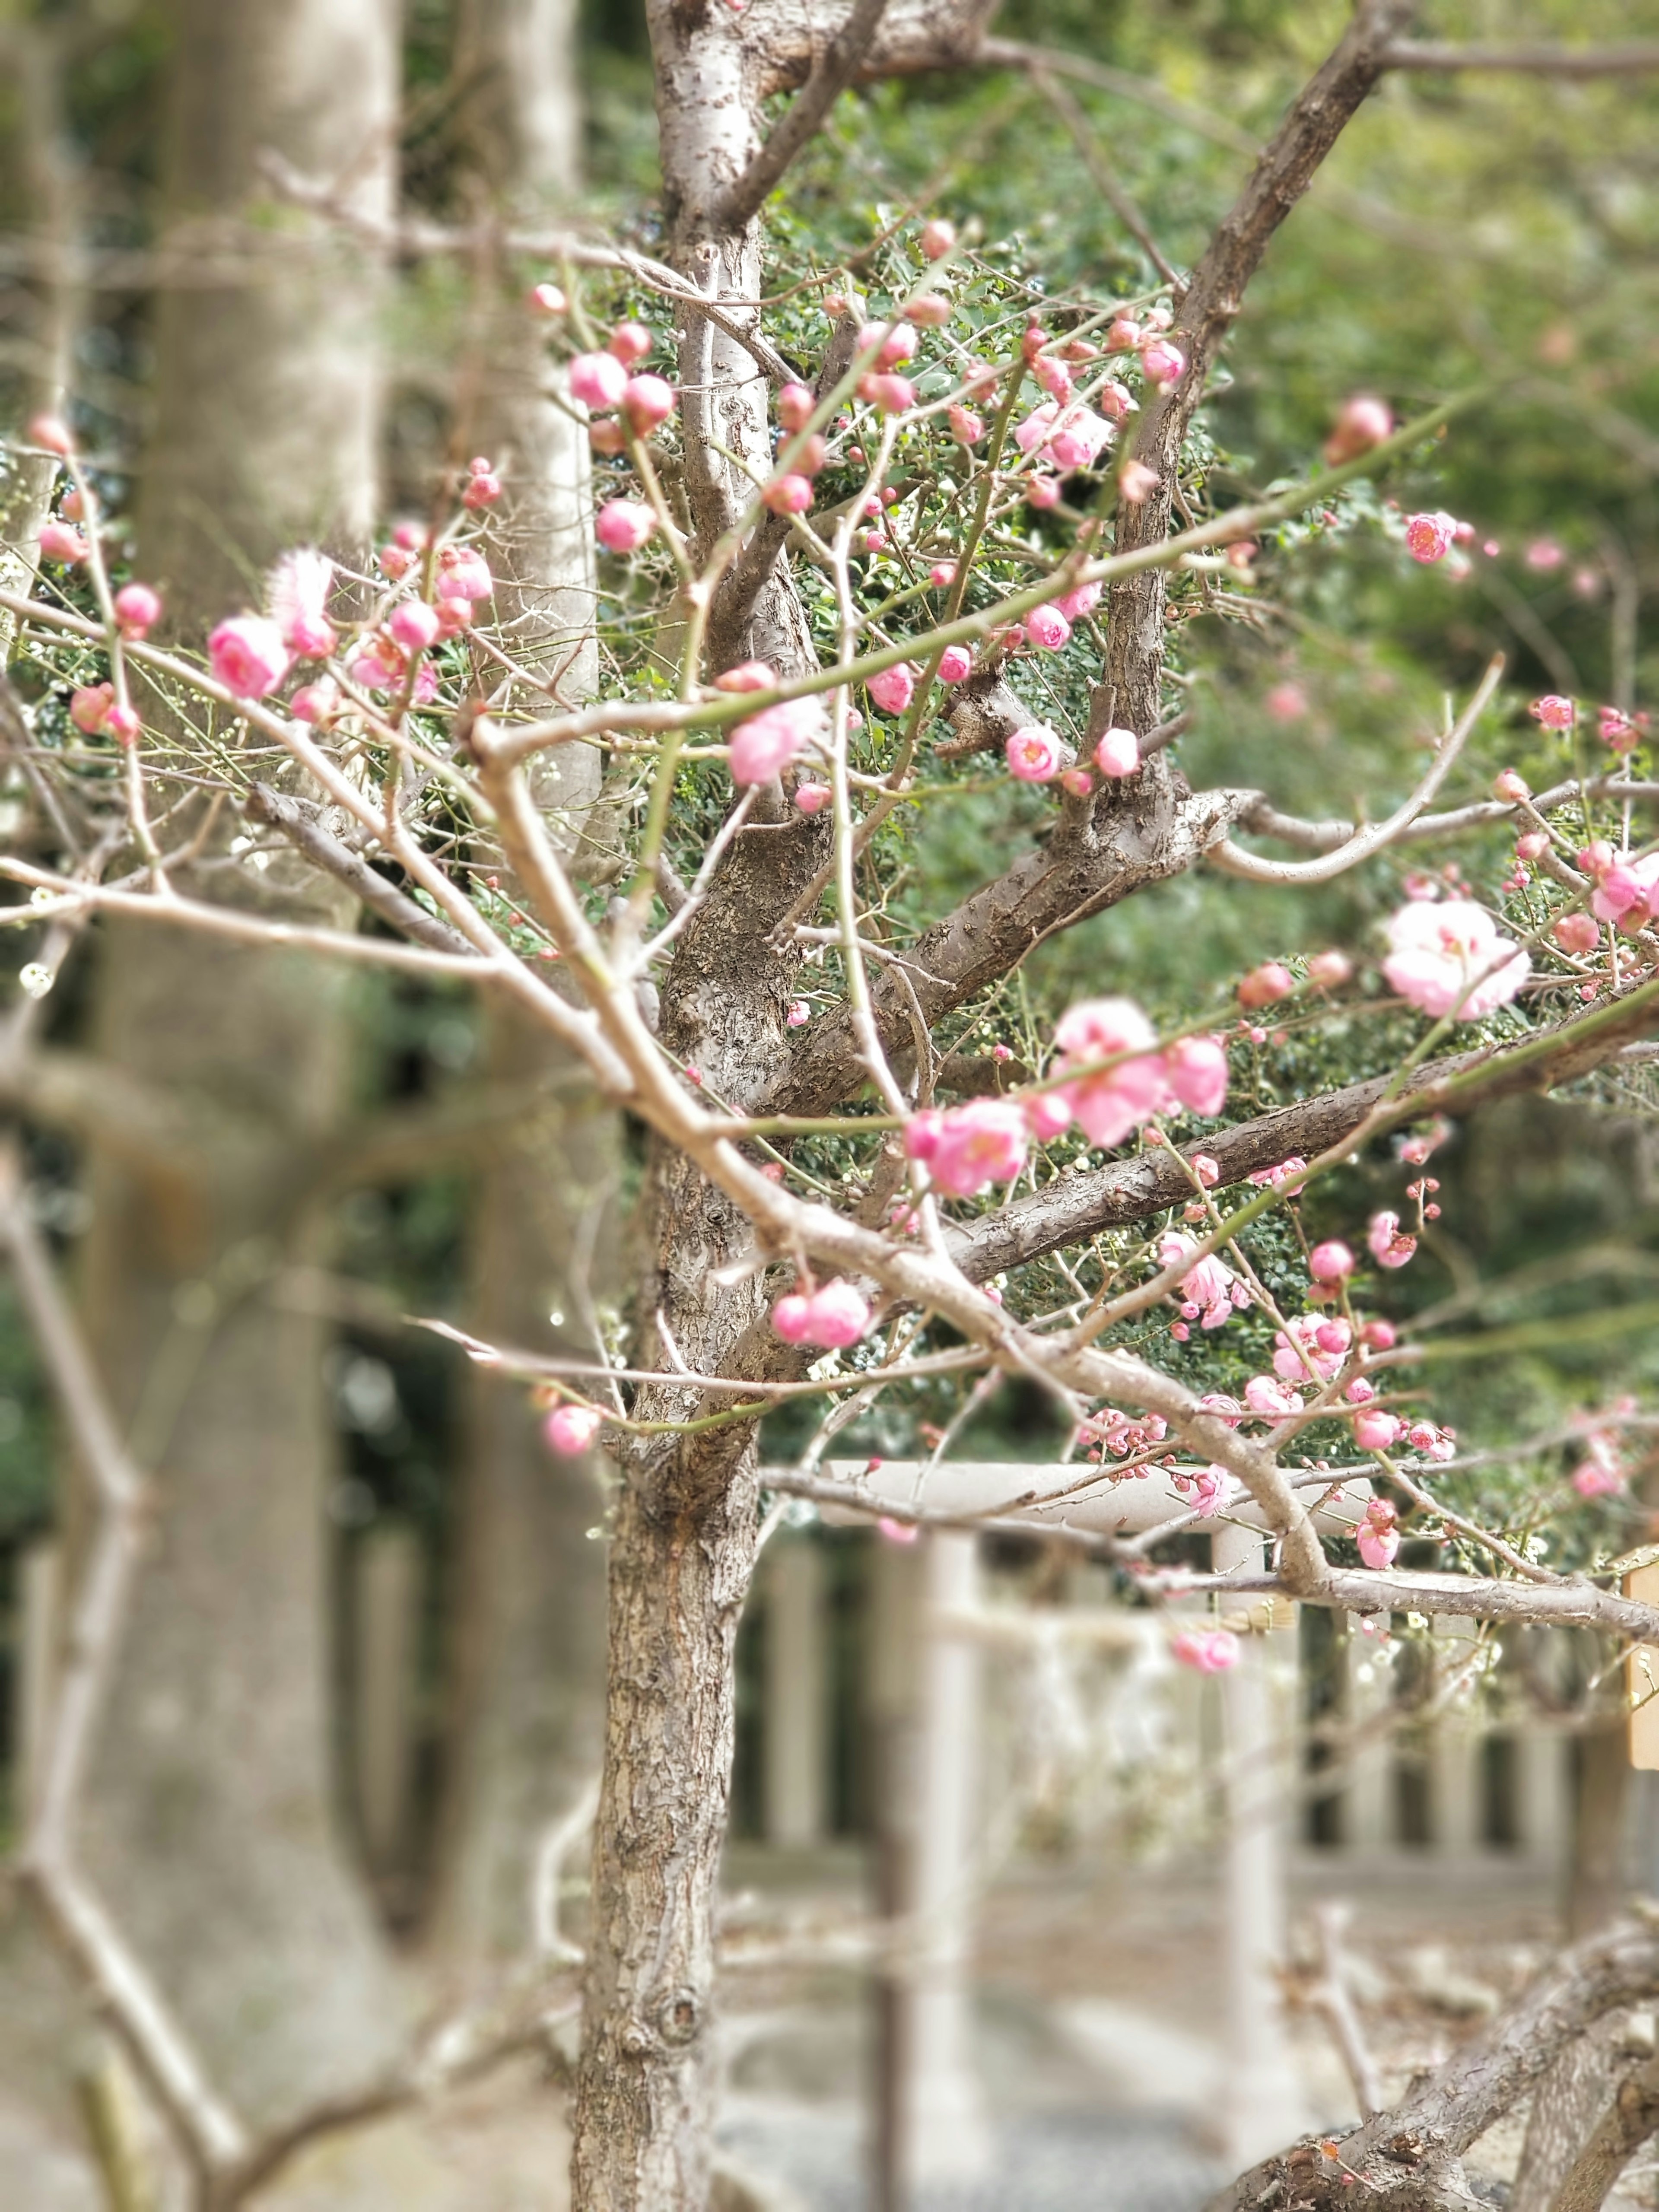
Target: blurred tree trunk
{"x":212,"y":1823}
{"x":529,"y":1623}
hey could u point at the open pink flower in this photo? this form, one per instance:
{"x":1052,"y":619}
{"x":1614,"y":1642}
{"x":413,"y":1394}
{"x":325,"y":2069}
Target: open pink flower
{"x":1449,"y":957}
{"x":1210,"y":1290}
{"x":1554,"y":712}
{"x":1197,"y":1070}
{"x":1389,"y":1248}
{"x":1379,"y":1534}
{"x":247,"y":655}
{"x":1035,"y":754}
{"x":1112,"y":1103}
{"x":570,"y":1430}
{"x":1209,"y":1650}
{"x":766,"y":744}
{"x":1302,"y":1353}
{"x":1430,"y":537}
{"x":967,"y":1148}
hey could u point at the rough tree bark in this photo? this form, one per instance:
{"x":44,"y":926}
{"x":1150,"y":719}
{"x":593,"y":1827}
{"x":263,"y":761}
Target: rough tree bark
{"x":225,"y":1869}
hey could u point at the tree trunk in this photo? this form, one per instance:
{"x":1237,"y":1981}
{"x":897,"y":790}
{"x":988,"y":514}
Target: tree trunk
{"x":1566,"y":2108}
{"x":212,"y":1813}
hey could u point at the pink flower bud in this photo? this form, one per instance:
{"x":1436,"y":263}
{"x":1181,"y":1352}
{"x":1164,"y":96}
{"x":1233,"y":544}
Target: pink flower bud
{"x":630,"y":341}
{"x":966,"y":428}
{"x":1034,"y":755}
{"x":1360,"y":425}
{"x":942,"y":576}
{"x":1265,"y":985}
{"x":137,"y":609}
{"x":1078,"y":783}
{"x":1166,"y":364}
{"x":247,"y":656}
{"x":937,"y":237}
{"x":395,"y":563}
{"x":59,"y":541}
{"x":792,"y":1317}
{"x":624,"y":525}
{"x":414,"y":624}
{"x":454,"y":616}
{"x":1554,"y":712}
{"x":893,"y":689}
{"x":1048,"y":629}
{"x":648,"y":401}
{"x":1054,"y":376}
{"x":316,"y":702}
{"x":570,"y":1430}
{"x":799,"y":1012}
{"x":929,"y":310}
{"x":122,"y":723}
{"x":837,"y":1316}
{"x":90,"y":706}
{"x":483,"y":489}
{"x":1124,"y":335}
{"x":1507,"y":785}
{"x":795,"y":404}
{"x":1330,"y":969}
{"x":1136,"y":482}
{"x":1330,"y":1262}
{"x":72,"y":506}
{"x":597,"y":380}
{"x":463,"y":573}
{"x":51,"y":434}
{"x":606,"y":437}
{"x":1532,"y":846}
{"x":954,"y":663}
{"x":747,"y":676}
{"x":812,"y":797}
{"x":790,"y":494}
{"x":1374,"y":1429}
{"x":1118,"y":753}
{"x":889,"y":395}
{"x":1207,"y":1650}
{"x":1576,"y":932}
{"x":1429,"y":536}
{"x":548,"y":299}
{"x":1043,"y":492}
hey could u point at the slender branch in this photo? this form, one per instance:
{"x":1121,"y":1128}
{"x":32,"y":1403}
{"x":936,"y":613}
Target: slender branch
{"x":1635,"y":57}
{"x":1335,"y":2001}
{"x":1106,"y":179}
{"x":834,"y":70}
{"x":298,"y":823}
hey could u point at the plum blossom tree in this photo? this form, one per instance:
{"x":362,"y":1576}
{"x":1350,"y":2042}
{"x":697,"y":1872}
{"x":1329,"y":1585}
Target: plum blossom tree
{"x":831,"y":606}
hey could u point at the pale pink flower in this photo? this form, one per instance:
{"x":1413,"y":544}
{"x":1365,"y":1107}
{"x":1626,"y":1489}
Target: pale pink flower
{"x":1449,"y":958}
{"x":1196,"y":1067}
{"x":316,"y":702}
{"x":1330,"y":969}
{"x":1207,"y":1168}
{"x":1432,"y":1442}
{"x":464,"y":574}
{"x":787,"y":494}
{"x":1124,"y":335}
{"x":1166,"y":364}
{"x":1361,"y":424}
{"x":1389,"y":1248}
{"x":137,"y":609}
{"x":893,"y":689}
{"x":1112,"y":1103}
{"x":624,"y":525}
{"x":889,"y":395}
{"x":414,"y":624}
{"x":1374,"y":1429}
{"x":1118,"y":753}
{"x":598,"y":380}
{"x":892,"y":346}
{"x":969,"y":1147}
{"x":1331,"y":1262}
{"x":1083,"y":600}
{"x":1430,"y":536}
{"x":812,"y":797}
{"x":966,"y":426}
{"x":1048,"y":1114}
{"x":570,"y":1430}
{"x":1379,"y":1534}
{"x":297,"y":595}
{"x":1554,"y":712}
{"x":1268,"y":1395}
{"x":1048,"y":629}
{"x":484,"y":486}
{"x":1209,"y":1650}
{"x":122,"y":723}
{"x":1034,"y":755}
{"x":762,"y":747}
{"x":1298,"y":1351}
{"x":1210,"y":1288}
{"x":955,"y":664}
{"x":247,"y":656}
{"x":799,"y":1012}
{"x":1576,"y":932}
{"x":837,"y":1316}
{"x":1072,"y":437}
{"x":548,"y":299}
{"x":1209,"y":1487}
{"x":937,"y":237}
{"x":1266,"y":985}
{"x":61,"y":541}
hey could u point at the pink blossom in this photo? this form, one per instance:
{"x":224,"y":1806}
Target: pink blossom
{"x":796,"y":404}
{"x":1034,"y":755}
{"x":1432,"y":1442}
{"x":762,"y":747}
{"x":889,"y":395}
{"x":1576,"y":932}
{"x":463,"y":573}
{"x":1078,"y":783}
{"x":1119,"y":1098}
{"x":1379,"y":1534}
{"x":1207,"y":1168}
{"x":298,"y":594}
{"x":247,"y":656}
{"x":646,"y":401}
{"x":1072,"y":437}
{"x":1286,"y":703}
{"x":891,"y":345}
{"x":1330,"y":969}
{"x":1449,"y":958}
{"x":1048,"y":629}
{"x":1266,"y":985}
{"x":1164,"y":364}
{"x":630,"y":341}
{"x":414,"y":624}
{"x":1593,"y":1478}
{"x":483,"y":487}
{"x":316,"y":702}
{"x":1210,"y":1287}
{"x":1054,"y":376}
{"x":1374,"y":1429}
{"x":1268,"y":1395}
{"x":1331,"y":1262}
{"x":1361,"y":424}
{"x":59,"y":541}
{"x":1298,"y":1351}
{"x":1532,"y":846}
{"x":1042,"y":491}
{"x":955,"y":664}
{"x":966,"y":426}
{"x":792,"y":1318}
{"x":969,"y":1147}
{"x":598,"y":380}
{"x":837,"y":1316}
{"x":799,"y":1012}
{"x":893,"y":689}
{"x":812,"y":797}
{"x":1554,"y":712}
{"x":548,"y":299}
{"x":937,"y":237}
{"x":1615,"y":728}
{"x":1124,"y":335}
{"x":624,"y":525}
{"x":137,"y":609}
{"x":1389,"y":1248}
{"x":1081,"y":601}
{"x":1428,"y":538}
{"x":122,"y":723}
{"x":51,"y":434}
{"x":1209,"y":1650}
{"x":1544,"y":554}
{"x":570,"y":1430}
{"x":1048,"y":1114}
{"x":1118,"y":753}
{"x":1196,"y":1067}
{"x":89,"y":707}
